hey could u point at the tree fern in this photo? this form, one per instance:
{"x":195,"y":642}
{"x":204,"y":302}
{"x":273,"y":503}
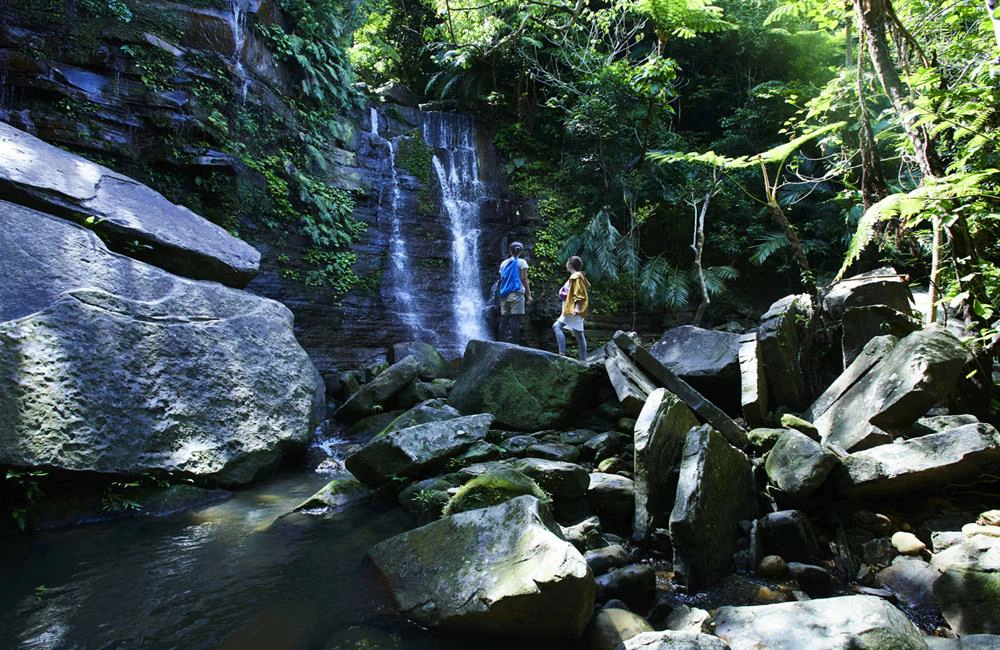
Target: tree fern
{"x":909,"y":206}
{"x":684,"y":18}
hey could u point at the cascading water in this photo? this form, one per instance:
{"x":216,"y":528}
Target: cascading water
{"x":400,"y":281}
{"x":456,"y":163}
{"x":238,"y":24}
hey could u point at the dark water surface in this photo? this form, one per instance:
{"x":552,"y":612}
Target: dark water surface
{"x":229,"y":576}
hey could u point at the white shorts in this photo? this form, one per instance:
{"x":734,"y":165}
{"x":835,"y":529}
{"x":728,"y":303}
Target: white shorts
{"x":571,"y":322}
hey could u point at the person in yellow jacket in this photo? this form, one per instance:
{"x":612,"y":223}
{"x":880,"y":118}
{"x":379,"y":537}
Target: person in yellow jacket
{"x":576,"y":306}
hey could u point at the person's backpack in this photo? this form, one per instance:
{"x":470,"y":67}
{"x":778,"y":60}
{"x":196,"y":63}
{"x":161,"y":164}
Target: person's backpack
{"x":510,"y":277}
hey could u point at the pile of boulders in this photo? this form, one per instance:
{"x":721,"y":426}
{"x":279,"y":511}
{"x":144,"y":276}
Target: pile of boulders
{"x":562,"y":498}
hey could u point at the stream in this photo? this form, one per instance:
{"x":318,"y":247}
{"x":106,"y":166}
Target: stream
{"x":229,"y":575}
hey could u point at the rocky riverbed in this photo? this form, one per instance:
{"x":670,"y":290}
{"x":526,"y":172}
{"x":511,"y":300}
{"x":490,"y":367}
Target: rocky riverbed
{"x":614,"y":501}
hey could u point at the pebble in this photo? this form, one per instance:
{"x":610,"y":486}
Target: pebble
{"x":908,"y":543}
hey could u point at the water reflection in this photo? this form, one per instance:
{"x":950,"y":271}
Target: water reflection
{"x":232,"y":575}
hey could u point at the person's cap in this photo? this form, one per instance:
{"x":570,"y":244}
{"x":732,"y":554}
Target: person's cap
{"x":517,"y":246}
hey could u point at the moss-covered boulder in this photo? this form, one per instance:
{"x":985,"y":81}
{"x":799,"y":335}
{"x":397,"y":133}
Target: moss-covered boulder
{"x":505,"y":570}
{"x":798,"y":465}
{"x":526,"y":389}
{"x":432,"y":410}
{"x":407,"y":452}
{"x":493,"y":488}
{"x":336,"y":495}
{"x":377,"y":394}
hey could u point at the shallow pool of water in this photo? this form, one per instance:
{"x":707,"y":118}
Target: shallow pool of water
{"x":231,"y":575}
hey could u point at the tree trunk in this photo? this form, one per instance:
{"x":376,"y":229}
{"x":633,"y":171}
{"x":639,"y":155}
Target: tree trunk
{"x":774,"y":209}
{"x":873,"y":185}
{"x":699,"y":248}
{"x":872,"y":15}
{"x":872,"y":26}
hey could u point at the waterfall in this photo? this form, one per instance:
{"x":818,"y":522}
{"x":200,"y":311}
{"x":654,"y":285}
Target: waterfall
{"x":400,"y":275}
{"x":456,"y":163}
{"x":238,"y":24}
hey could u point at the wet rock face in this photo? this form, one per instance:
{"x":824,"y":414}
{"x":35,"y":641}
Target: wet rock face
{"x":87,"y":94}
{"x":115,"y":366}
{"x":523,"y":388}
{"x":706,"y":359}
{"x":919,"y":372}
{"x":504,"y":570}
{"x":123,"y":209}
{"x":715,"y":492}
{"x":780,"y":338}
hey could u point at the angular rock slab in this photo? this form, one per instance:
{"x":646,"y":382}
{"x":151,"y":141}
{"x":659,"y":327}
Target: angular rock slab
{"x":112,"y":365}
{"x":919,"y":372}
{"x":44,"y":176}
{"x":703,"y":358}
{"x":408,"y":451}
{"x":753,"y":383}
{"x":925,"y":463}
{"x":504,"y":570}
{"x":525,"y":389}
{"x":874,"y":352}
{"x":780,"y":337}
{"x":662,"y":375}
{"x":714,"y":493}
{"x":631,"y":384}
{"x":882,"y":286}
{"x":660,"y":433}
{"x":844,"y":623}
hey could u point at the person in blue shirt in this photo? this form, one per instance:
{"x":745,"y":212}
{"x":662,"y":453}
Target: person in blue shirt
{"x":515,"y":293}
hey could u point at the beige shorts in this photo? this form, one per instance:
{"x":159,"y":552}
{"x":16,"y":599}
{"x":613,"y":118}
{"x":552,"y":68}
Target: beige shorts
{"x":512,"y":304}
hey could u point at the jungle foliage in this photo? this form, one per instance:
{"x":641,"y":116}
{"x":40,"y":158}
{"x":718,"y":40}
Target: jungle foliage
{"x":830,"y":153}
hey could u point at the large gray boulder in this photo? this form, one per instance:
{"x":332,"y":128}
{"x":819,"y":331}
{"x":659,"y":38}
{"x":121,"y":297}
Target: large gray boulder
{"x":374,"y":396}
{"x":798,"y":465}
{"x":525,"y":389}
{"x":432,"y":364}
{"x":706,"y":359}
{"x":115,"y":366}
{"x":874,"y":352}
{"x":46,"y":177}
{"x":919,"y":372}
{"x":781,"y":336}
{"x":406,"y":452}
{"x":715,"y":492}
{"x":660,"y":433}
{"x":968,"y":589}
{"x":844,"y":623}
{"x":505,"y":570}
{"x":925,"y":463}
{"x":882,"y":286}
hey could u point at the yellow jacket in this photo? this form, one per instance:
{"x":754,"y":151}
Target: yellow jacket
{"x":577,"y":295}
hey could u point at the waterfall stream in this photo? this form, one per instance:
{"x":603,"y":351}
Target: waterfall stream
{"x":238,"y":23}
{"x":456,"y":163}
{"x":399,"y":276}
